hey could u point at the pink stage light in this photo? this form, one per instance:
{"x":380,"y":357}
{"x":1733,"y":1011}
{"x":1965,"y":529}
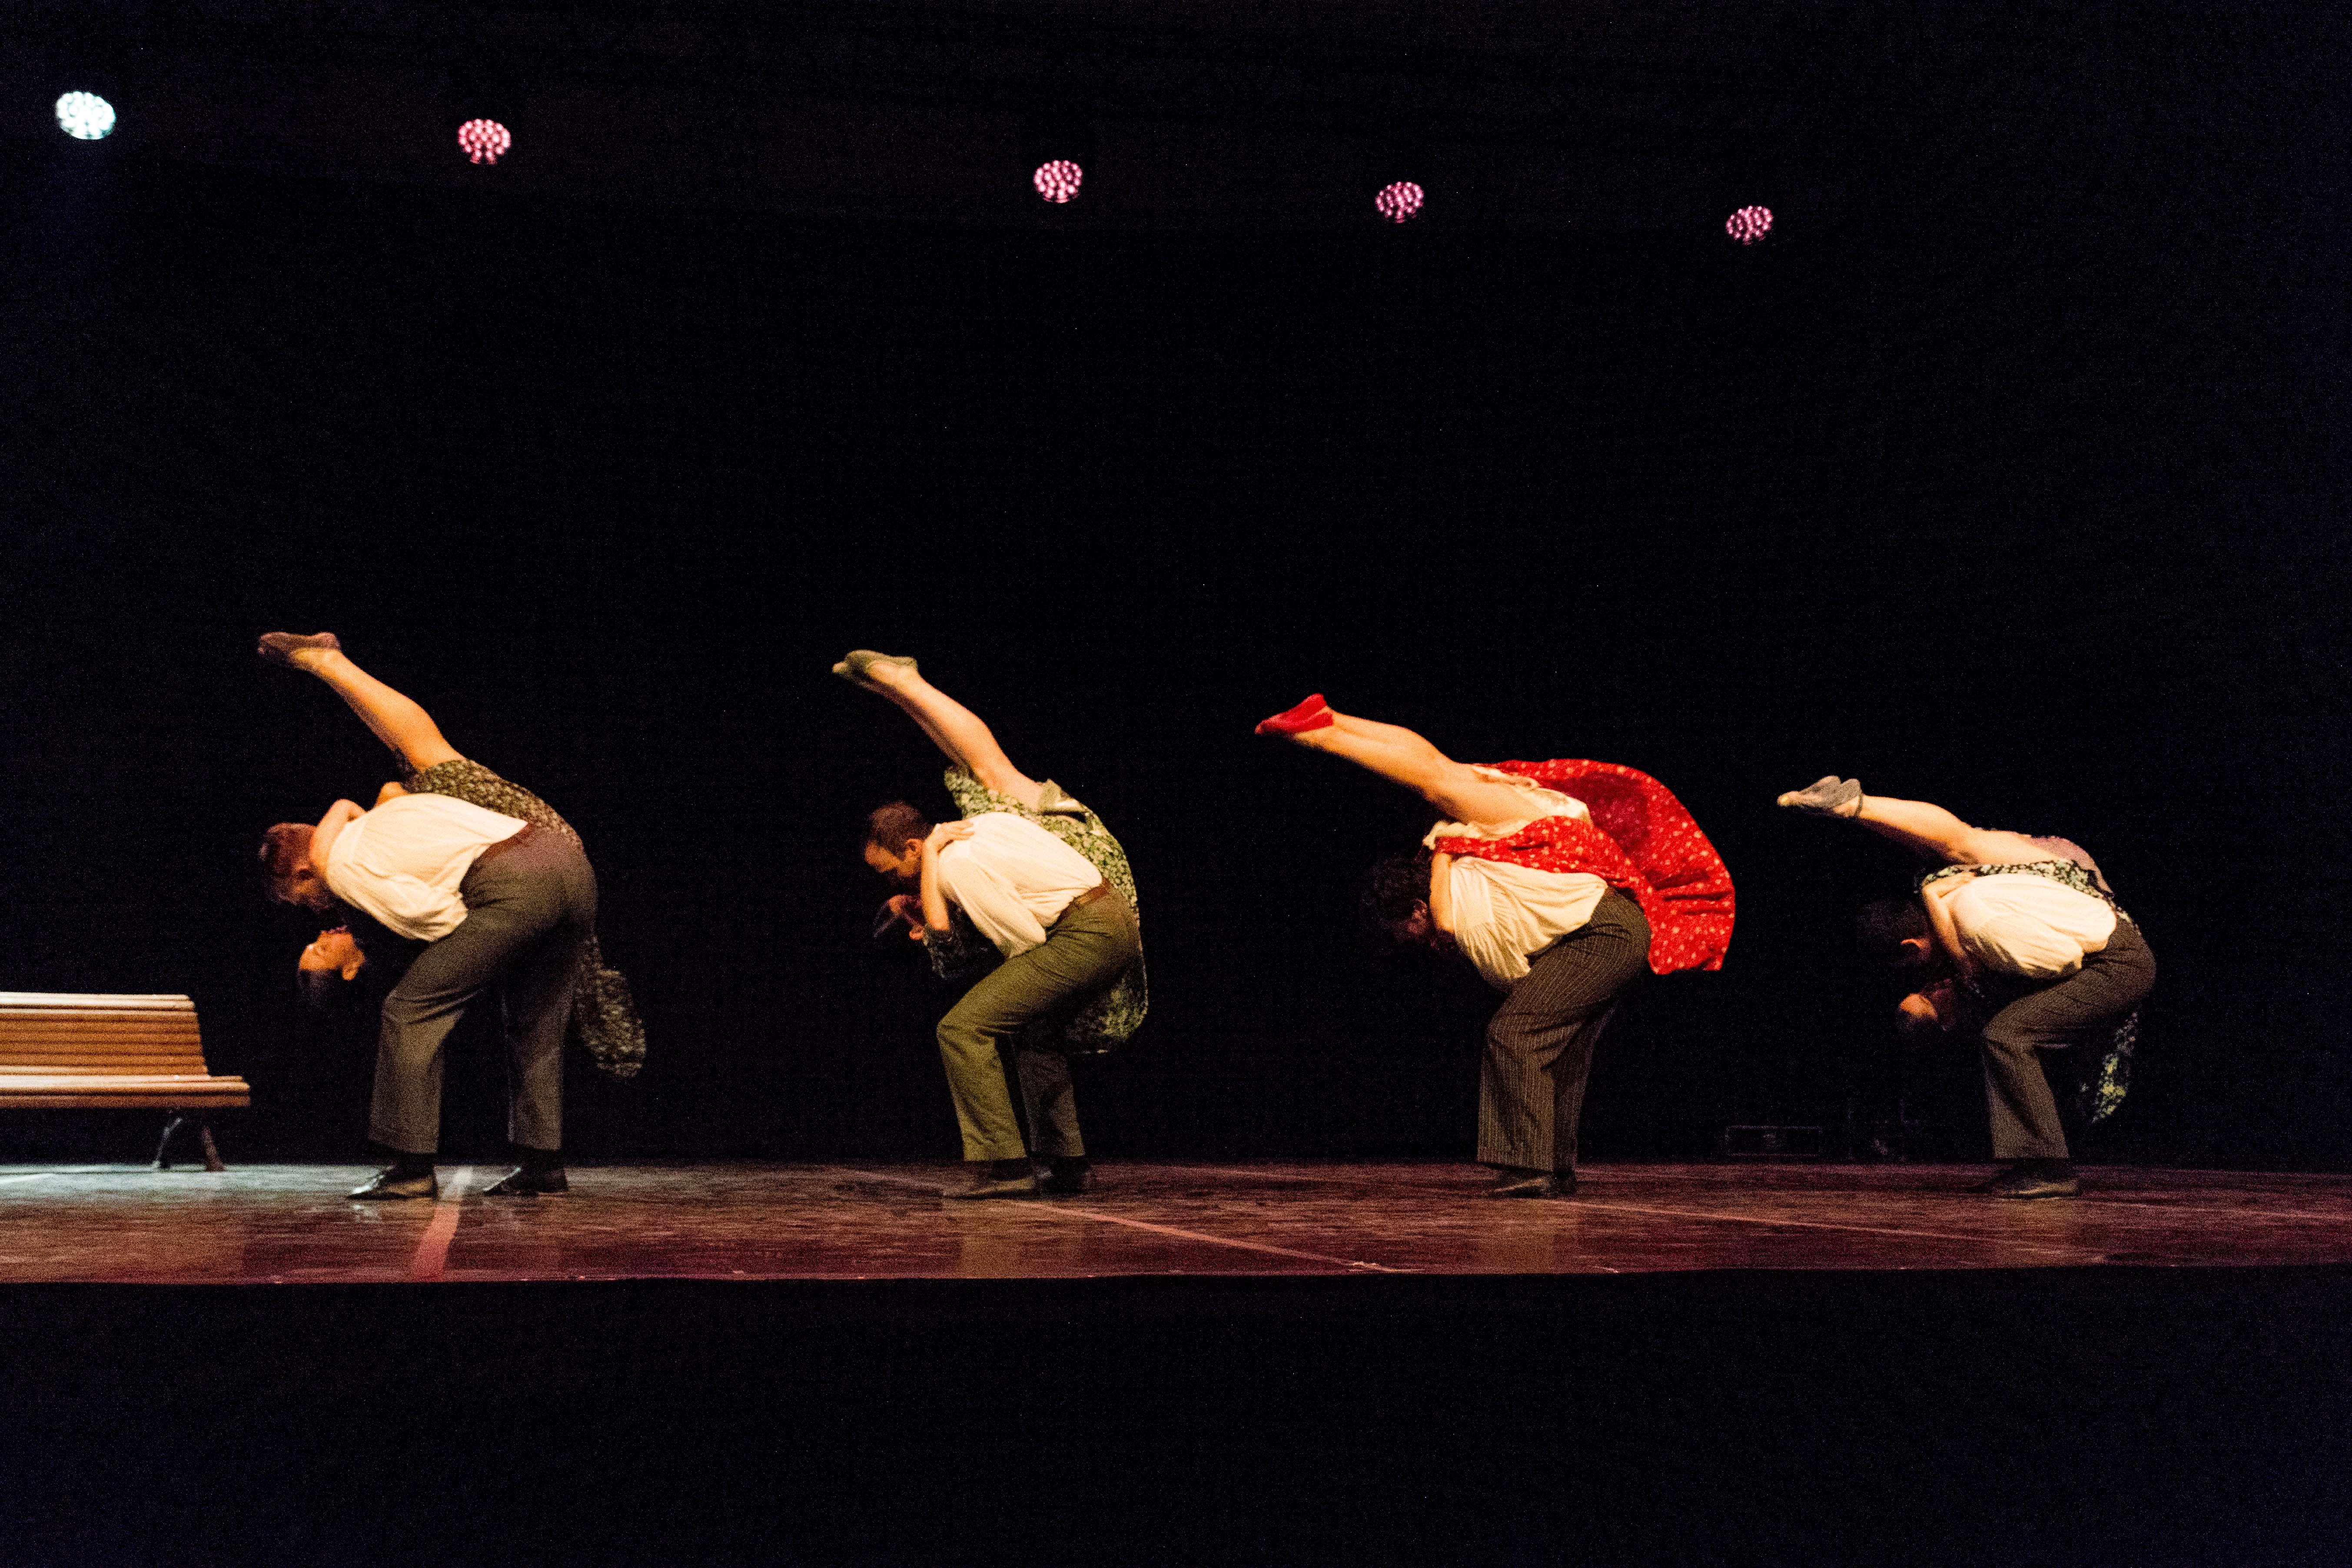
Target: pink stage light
{"x":484,"y":141}
{"x":1058,"y":180}
{"x":1750,"y":225}
{"x":1398,"y":202}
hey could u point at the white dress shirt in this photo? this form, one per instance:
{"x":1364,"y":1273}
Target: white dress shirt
{"x":402,"y":862}
{"x":1013,"y":879}
{"x":2019,"y":923}
{"x":1506,"y":914}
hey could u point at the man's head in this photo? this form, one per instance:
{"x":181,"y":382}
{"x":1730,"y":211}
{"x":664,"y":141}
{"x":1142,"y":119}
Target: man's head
{"x":286,"y":867}
{"x":1895,"y":931}
{"x":1395,"y":901}
{"x":894,"y":842}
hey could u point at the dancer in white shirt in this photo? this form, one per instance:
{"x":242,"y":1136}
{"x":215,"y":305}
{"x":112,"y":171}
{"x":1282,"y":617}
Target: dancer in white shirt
{"x":2020,"y":928}
{"x":495,"y":900}
{"x":1044,"y":882}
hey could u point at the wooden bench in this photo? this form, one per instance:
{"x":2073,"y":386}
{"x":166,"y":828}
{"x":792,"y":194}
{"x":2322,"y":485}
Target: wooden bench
{"x":63,"y":1052}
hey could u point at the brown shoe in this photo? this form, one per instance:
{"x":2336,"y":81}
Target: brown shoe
{"x":1517,"y":1183}
{"x":999,"y":1179}
{"x":2035,"y":1179}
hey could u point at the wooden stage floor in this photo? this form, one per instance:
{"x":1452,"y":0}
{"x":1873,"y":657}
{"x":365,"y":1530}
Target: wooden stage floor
{"x":288,"y":1223}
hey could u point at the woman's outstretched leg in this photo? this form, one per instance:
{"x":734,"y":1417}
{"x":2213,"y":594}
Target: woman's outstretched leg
{"x":1405,"y":757}
{"x":1919,"y":825}
{"x":398,"y":720}
{"x":954,"y":728}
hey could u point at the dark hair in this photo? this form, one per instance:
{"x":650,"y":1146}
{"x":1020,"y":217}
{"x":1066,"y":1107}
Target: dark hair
{"x":282,"y":847}
{"x":1391,"y":888}
{"x":889,"y":826}
{"x":1883,"y":925}
{"x":325,"y":990}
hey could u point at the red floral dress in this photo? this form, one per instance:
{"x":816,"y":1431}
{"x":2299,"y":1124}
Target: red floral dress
{"x":1640,"y":841}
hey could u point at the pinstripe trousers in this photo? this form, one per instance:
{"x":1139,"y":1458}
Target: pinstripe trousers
{"x":1539,"y":1042}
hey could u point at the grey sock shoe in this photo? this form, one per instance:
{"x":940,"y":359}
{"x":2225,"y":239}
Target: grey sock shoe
{"x":858,"y":660}
{"x":1828,"y":796}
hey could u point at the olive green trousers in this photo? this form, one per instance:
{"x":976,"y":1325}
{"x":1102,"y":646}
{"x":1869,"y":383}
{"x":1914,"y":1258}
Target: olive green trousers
{"x":1015,"y":1006}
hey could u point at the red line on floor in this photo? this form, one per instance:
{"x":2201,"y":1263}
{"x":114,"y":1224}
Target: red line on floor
{"x":433,"y":1252}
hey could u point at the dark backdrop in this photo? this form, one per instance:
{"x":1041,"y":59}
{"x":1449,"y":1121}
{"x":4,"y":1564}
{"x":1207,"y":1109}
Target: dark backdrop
{"x":2018,"y":488}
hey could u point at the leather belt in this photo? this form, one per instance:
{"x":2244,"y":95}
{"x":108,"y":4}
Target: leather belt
{"x":1100,"y":890}
{"x":490,"y":851}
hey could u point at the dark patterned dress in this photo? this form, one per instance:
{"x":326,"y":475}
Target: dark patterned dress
{"x":603,"y":1013}
{"x":2103,"y":1088}
{"x":1110,"y":1018}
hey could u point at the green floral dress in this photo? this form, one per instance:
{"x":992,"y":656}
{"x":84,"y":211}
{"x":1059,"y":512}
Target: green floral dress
{"x":1110,"y":1018}
{"x":604,"y":1013}
{"x":2103,"y":1088}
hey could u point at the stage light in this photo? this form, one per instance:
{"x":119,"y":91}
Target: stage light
{"x":1057,"y":179}
{"x":85,"y":116}
{"x":1398,"y":202}
{"x":1750,"y":225}
{"x":484,"y":141}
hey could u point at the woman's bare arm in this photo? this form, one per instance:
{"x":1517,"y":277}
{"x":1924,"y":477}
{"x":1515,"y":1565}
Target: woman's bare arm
{"x":322,"y":837}
{"x":1441,"y":893}
{"x":1939,"y":920}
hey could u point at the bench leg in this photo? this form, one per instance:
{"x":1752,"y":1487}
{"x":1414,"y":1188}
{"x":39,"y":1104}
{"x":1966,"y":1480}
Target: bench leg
{"x":212,"y":1151}
{"x":163,"y":1144}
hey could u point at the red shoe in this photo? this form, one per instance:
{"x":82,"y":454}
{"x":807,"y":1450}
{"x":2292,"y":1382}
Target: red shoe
{"x":1312,"y":714}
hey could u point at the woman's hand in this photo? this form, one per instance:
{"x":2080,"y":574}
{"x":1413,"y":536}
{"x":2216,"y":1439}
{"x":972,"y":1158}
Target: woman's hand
{"x":393,"y":790}
{"x":945,"y":833}
{"x":908,"y":907}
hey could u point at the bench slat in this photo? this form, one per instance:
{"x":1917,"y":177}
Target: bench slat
{"x":59,"y":1050}
{"x":156,"y":1091}
{"x":93,"y":1040}
{"x":16,"y":1002}
{"x":105,"y":1062}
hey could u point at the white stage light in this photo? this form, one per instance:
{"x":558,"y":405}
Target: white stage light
{"x":85,"y":117}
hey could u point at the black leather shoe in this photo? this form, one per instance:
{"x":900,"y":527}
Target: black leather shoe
{"x":520,"y":1183}
{"x":1534,"y":1185}
{"x":388,"y":1183}
{"x":2035,"y":1179}
{"x":1070,"y":1176}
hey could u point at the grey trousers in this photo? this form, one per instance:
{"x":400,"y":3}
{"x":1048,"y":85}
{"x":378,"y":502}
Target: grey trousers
{"x":529,"y":912}
{"x":1084,"y":953}
{"x":2110,"y":983}
{"x":1540,"y":1043}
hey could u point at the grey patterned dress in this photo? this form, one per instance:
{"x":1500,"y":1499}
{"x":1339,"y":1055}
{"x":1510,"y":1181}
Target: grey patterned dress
{"x":603,"y":1013}
{"x":1110,"y":1019}
{"x":2104,"y":1087}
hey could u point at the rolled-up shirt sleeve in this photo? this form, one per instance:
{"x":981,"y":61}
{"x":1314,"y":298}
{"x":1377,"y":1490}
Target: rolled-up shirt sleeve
{"x":404,"y":903}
